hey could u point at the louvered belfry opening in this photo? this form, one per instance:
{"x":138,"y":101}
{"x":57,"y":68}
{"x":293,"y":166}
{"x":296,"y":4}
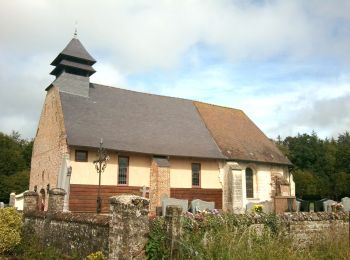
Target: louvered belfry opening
{"x":74,"y":59}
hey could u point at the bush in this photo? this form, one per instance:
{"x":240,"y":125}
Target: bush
{"x":230,"y":236}
{"x":96,"y":256}
{"x":10,"y":229}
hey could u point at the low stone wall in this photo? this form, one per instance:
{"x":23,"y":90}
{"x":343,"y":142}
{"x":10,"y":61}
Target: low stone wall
{"x":303,"y":226}
{"x":78,"y":234}
{"x":122,"y":234}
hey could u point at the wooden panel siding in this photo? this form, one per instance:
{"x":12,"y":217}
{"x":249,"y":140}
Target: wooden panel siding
{"x":83,"y":197}
{"x":198,"y":193}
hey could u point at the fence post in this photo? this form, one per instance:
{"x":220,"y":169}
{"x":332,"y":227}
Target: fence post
{"x":30,"y":201}
{"x":128,"y":226}
{"x":56,"y":200}
{"x":173,"y":226}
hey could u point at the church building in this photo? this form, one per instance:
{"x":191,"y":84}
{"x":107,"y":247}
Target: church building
{"x":172,"y":147}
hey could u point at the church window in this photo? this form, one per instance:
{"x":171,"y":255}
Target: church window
{"x":196,"y":174}
{"x":249,"y":183}
{"x":123,"y":163}
{"x":81,"y":156}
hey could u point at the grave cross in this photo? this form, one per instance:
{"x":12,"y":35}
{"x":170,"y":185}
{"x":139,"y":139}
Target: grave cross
{"x":144,"y":190}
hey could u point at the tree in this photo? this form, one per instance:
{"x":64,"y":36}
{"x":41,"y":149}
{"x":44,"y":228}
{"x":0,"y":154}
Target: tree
{"x":15,"y":157}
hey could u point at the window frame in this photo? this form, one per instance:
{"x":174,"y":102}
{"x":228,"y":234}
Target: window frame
{"x":127,"y":171}
{"x":199,"y":175}
{"x":79,"y":151}
{"x":252,"y":183}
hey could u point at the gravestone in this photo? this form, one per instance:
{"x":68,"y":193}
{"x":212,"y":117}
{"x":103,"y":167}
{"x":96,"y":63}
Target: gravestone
{"x":312,"y":206}
{"x":144,"y":190}
{"x":200,"y":205}
{"x":2,"y":205}
{"x":267,"y":206}
{"x":346,"y":203}
{"x":327,"y":205}
{"x":174,"y":202}
{"x":319,"y":205}
{"x":250,"y":206}
{"x":304,"y":205}
{"x":298,"y":203}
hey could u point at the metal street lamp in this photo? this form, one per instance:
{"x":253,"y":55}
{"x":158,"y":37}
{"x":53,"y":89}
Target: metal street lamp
{"x":100,"y":165}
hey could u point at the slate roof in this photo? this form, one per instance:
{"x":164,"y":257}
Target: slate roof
{"x":144,"y":123}
{"x":237,"y":136}
{"x":137,"y":122}
{"x":75,"y":49}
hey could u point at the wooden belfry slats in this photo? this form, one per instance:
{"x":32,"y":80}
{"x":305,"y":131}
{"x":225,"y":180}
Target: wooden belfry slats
{"x":83,"y":197}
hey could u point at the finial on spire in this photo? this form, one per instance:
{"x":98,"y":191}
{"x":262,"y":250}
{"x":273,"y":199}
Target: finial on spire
{"x":76,"y":30}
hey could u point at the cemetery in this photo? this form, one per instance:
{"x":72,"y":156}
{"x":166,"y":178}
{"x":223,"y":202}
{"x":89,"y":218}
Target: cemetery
{"x":130,"y":231}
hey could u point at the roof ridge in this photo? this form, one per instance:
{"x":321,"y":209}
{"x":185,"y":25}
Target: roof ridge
{"x":164,"y":96}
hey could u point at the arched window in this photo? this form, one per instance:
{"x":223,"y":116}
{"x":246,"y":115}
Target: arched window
{"x":249,"y":183}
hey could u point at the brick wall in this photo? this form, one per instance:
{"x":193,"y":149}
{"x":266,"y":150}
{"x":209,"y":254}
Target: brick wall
{"x":49,"y":145}
{"x":159,"y":184}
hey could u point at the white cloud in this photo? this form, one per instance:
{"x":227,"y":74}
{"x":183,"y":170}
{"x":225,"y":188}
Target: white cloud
{"x":131,"y":38}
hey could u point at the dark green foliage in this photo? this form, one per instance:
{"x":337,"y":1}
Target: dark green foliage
{"x":15,"y":157}
{"x":321,"y":167}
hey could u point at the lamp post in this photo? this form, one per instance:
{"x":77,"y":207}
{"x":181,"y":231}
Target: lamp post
{"x":100,"y":165}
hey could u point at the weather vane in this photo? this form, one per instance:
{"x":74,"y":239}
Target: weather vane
{"x":76,"y":29}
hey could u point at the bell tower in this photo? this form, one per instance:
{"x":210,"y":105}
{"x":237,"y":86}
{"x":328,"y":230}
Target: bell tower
{"x":74,"y":59}
{"x":73,"y":68}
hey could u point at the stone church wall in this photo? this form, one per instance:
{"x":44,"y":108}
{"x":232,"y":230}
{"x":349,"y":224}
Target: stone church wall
{"x":50,"y":144}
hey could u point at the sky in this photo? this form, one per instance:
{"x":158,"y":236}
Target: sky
{"x":286,"y":64}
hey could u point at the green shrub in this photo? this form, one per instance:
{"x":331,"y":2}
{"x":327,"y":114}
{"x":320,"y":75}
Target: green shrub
{"x":230,"y":236}
{"x":96,"y":256}
{"x":10,"y":229}
{"x":156,"y":247}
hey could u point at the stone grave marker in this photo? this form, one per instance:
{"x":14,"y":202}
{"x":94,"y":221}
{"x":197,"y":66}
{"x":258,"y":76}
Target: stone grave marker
{"x":200,"y":205}
{"x":144,"y":190}
{"x":250,"y":206}
{"x":298,"y":203}
{"x":346,"y":203}
{"x":172,"y":201}
{"x":327,"y":205}
{"x":2,"y":205}
{"x":267,"y":206}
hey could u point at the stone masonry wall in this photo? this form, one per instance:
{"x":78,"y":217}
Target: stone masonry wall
{"x":49,"y":145}
{"x":80,"y":234}
{"x":304,"y":226}
{"x":122,"y":234}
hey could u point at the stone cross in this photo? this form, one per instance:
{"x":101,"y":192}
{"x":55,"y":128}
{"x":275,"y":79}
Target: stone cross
{"x":144,"y":191}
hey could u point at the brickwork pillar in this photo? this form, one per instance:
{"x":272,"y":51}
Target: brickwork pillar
{"x":30,"y":201}
{"x":173,"y":227}
{"x":159,"y":182}
{"x":56,"y":200}
{"x":128,"y":227}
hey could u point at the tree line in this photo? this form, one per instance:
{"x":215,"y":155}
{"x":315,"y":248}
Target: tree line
{"x":321,"y":167}
{"x":15,"y":157}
